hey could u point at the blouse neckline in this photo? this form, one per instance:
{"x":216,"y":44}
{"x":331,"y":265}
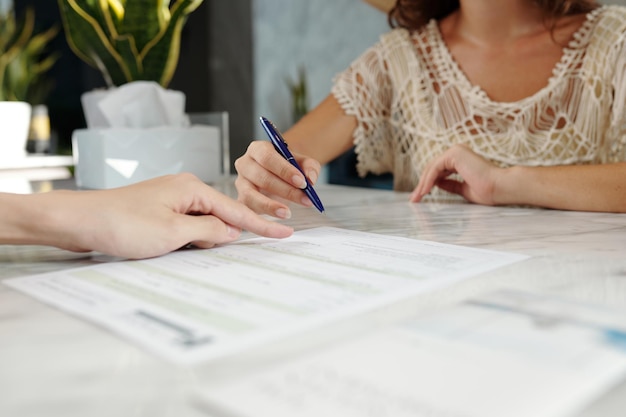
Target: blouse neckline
{"x":580,"y":37}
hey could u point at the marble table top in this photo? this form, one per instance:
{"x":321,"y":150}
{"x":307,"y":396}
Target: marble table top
{"x":54,"y":364}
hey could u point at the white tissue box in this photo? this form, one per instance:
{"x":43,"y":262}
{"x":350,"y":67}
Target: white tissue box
{"x":114,"y":157}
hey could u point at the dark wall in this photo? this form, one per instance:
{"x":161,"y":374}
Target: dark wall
{"x":214,"y":69}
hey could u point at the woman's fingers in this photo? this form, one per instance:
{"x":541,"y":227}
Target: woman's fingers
{"x":479,"y":176}
{"x":263,"y":174}
{"x":262,"y":154}
{"x":436,"y":170}
{"x":311,"y":167}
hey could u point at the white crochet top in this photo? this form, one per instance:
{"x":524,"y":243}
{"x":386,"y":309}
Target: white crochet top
{"x":412,"y":101}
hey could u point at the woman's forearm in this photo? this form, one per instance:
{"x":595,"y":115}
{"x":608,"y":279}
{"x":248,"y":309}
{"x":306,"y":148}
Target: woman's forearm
{"x":576,"y":187}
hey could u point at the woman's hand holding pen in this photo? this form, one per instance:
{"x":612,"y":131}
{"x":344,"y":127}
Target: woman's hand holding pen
{"x":265,"y":177}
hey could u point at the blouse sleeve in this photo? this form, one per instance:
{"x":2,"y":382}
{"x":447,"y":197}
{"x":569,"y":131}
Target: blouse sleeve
{"x":617,"y":127}
{"x":364,"y":90}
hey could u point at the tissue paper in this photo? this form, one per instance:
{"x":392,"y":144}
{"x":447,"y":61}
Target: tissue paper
{"x":139,"y":104}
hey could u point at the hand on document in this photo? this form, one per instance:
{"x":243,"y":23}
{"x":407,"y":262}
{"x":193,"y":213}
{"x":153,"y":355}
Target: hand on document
{"x":142,"y":220}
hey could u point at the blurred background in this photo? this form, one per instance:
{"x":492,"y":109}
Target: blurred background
{"x":238,"y":55}
{"x":274,"y":58}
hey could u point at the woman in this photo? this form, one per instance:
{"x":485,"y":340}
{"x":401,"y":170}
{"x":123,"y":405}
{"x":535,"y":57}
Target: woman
{"x":498,"y":101}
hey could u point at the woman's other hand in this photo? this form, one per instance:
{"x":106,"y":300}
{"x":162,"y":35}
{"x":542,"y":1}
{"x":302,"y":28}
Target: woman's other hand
{"x":479,"y":176}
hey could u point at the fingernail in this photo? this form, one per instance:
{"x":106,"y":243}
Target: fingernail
{"x":305,"y":200}
{"x":312,"y":176}
{"x":283,"y":213}
{"x":298,"y":181}
{"x":233,"y":232}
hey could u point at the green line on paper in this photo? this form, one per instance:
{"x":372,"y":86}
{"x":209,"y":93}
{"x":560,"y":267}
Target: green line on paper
{"x":226,"y":323}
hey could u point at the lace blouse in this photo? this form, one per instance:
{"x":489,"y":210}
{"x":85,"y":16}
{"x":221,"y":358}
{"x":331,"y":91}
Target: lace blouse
{"x":412,"y":102}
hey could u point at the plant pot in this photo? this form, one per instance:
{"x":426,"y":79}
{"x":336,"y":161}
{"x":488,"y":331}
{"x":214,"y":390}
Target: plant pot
{"x":115,"y":157}
{"x":14,"y":125}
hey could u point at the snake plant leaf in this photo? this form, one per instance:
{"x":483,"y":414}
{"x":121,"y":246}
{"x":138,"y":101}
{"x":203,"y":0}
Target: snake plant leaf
{"x":145,"y":19}
{"x":127,"y":40}
{"x":160,"y":56}
{"x":39,"y":41}
{"x":37,"y":46}
{"x":14,"y":37}
{"x":22,"y":59}
{"x":89,"y":37}
{"x":15,"y":71}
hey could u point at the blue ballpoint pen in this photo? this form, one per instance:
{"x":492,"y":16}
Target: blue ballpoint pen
{"x":281,"y":146}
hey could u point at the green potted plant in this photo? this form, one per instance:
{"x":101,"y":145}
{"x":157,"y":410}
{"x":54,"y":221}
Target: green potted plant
{"x":127,"y":41}
{"x":299,"y":95}
{"x":23,"y":63}
{"x":136,"y":128}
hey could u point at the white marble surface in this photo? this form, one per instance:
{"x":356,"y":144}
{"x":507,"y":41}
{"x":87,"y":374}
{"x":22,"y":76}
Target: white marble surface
{"x":53,"y":364}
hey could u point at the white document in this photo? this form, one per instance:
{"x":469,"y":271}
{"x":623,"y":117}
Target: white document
{"x":198,"y":305}
{"x":508,"y":354}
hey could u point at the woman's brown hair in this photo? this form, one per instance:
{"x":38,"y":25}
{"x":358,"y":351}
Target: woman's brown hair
{"x":413,"y":14}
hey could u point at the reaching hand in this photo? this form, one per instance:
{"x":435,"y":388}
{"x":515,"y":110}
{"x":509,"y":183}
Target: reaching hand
{"x":479,"y":176}
{"x":143,"y":220}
